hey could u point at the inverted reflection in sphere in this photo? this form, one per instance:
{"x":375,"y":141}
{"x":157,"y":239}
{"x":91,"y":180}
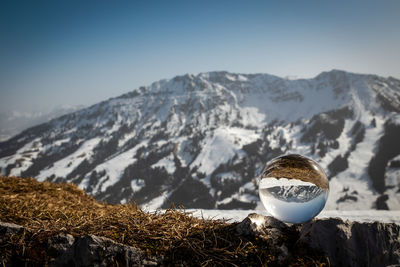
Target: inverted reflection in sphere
{"x":293,"y":188}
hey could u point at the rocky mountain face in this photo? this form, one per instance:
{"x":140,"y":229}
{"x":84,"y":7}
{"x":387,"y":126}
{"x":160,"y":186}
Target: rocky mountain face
{"x":202,"y":141}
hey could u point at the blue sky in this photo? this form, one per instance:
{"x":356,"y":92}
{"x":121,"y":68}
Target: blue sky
{"x":81,"y":52}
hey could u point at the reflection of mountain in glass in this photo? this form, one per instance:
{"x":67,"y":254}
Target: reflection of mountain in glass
{"x":301,"y":193}
{"x":293,"y":188}
{"x":294,"y":203}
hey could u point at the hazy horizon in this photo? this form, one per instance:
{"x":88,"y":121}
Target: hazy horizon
{"x":79,"y":53}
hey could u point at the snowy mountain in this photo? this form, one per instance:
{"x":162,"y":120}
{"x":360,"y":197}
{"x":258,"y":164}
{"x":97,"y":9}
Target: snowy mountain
{"x":202,"y":140}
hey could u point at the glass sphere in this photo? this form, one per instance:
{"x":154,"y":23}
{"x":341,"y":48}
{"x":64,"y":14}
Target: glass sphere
{"x":293,"y":188}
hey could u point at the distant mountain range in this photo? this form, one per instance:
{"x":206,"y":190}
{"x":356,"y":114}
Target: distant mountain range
{"x":202,"y":141}
{"x":14,"y":122}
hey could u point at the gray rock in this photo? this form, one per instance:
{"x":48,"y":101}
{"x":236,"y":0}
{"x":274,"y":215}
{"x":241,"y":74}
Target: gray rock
{"x":59,"y":244}
{"x":344,"y":243}
{"x":348,"y":243}
{"x":67,"y":250}
{"x":269,"y":229}
{"x":7,"y":229}
{"x":265,"y":227}
{"x":91,"y":250}
{"x":256,"y":224}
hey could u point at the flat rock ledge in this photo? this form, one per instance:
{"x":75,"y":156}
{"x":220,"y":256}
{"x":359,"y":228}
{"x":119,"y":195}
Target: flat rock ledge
{"x":342,"y":243}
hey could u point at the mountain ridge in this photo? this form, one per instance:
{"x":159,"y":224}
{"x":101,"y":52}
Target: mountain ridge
{"x":200,"y":140}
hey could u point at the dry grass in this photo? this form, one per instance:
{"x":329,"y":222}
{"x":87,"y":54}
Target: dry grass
{"x":47,"y":209}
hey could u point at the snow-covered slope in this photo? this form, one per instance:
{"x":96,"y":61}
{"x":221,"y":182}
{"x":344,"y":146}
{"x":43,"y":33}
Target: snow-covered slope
{"x":202,"y":140}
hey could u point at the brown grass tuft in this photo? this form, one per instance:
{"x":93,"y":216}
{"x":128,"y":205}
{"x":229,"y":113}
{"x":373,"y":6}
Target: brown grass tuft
{"x":47,"y":209}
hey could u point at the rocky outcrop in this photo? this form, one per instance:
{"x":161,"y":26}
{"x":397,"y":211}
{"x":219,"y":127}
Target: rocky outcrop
{"x":343,"y":243}
{"x":337,"y":242}
{"x":67,"y":250}
{"x":354,"y":244}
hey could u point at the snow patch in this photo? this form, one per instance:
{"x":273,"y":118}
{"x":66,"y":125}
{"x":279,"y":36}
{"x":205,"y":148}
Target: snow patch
{"x":114,"y":168}
{"x":137,"y":184}
{"x":271,"y":182}
{"x":222,"y":146}
{"x":66,"y":165}
{"x":167,"y":162}
{"x":357,"y":216}
{"x":23,"y":158}
{"x":156,"y":202}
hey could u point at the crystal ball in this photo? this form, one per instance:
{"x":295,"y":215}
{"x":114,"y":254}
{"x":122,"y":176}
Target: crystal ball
{"x":293,"y":188}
